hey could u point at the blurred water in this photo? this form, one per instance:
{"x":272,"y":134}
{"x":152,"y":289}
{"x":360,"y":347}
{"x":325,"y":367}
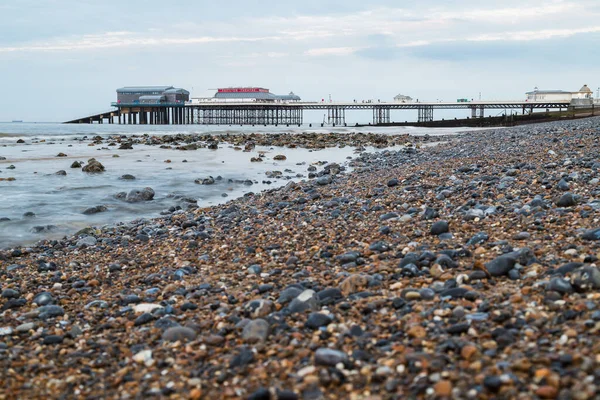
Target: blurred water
{"x":60,"y":200}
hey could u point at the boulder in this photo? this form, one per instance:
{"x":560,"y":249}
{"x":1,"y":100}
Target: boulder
{"x":138,"y":196}
{"x":95,"y":210}
{"x":93,"y":167}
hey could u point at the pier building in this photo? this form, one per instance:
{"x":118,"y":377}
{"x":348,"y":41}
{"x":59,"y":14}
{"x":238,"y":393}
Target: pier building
{"x":247,"y":94}
{"x":581,"y":97}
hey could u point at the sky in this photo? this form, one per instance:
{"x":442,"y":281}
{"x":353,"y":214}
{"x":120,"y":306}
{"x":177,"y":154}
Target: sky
{"x":62,"y":59}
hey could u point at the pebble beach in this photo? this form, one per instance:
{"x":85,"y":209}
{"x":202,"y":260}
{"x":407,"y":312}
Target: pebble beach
{"x":461,"y":270}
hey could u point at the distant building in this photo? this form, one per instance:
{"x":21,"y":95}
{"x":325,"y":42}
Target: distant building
{"x":584,"y":93}
{"x":152,"y":95}
{"x":583,"y":96}
{"x":252,"y":94}
{"x":403,"y":99}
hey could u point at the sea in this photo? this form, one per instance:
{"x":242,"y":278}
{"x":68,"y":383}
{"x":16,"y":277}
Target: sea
{"x":40,"y":204}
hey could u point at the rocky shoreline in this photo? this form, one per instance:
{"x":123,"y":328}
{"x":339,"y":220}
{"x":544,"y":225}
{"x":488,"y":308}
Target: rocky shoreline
{"x":247,"y":141}
{"x":464,"y":270}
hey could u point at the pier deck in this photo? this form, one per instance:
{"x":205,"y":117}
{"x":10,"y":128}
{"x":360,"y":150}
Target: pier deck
{"x":291,"y":113}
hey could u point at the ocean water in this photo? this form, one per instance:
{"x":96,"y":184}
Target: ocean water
{"x":58,"y":201}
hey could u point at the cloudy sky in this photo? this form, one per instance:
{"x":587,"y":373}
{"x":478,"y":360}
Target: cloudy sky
{"x":64,"y":58}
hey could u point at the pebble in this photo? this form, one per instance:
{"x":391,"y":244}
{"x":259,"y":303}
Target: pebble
{"x":144,"y":357}
{"x":339,"y":304}
{"x":52,"y":339}
{"x":566,"y":200}
{"x":26,"y":327}
{"x":307,"y":300}
{"x":179,"y":333}
{"x":501,"y":265}
{"x":330,"y":357}
{"x":43,"y":299}
{"x":256,"y":331}
{"x":317,"y":320}
{"x":560,"y":285}
{"x":440,"y":227}
{"x":6,"y":330}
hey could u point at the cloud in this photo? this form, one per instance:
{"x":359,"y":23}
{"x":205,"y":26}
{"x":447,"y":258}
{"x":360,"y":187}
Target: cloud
{"x":123,"y":39}
{"x":362,"y":29}
{"x":330,"y":51}
{"x":524,"y":52}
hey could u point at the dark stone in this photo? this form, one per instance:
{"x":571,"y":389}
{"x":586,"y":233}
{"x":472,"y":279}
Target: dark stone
{"x":563,"y":185}
{"x":50,"y":311}
{"x":188,"y":306}
{"x":260,"y":394}
{"x":429,"y":214}
{"x":501,"y":265}
{"x":568,"y":268}
{"x":316,"y":320}
{"x":560,"y":285}
{"x":243,"y":358}
{"x":457,"y":329}
{"x":137,"y":196}
{"x":455,"y":293}
{"x":492,"y":383}
{"x":324,"y":180}
{"x":592,"y":234}
{"x":566,"y":200}
{"x":53,"y":339}
{"x":43,"y":299}
{"x":506,"y":262}
{"x":478,"y":238}
{"x":439,"y":228}
{"x":10,"y":294}
{"x":329,"y":357}
{"x":379,"y":247}
{"x":95,"y":210}
{"x":307,"y":300}
{"x":143,"y":319}
{"x":329,"y":295}
{"x":288,"y":294}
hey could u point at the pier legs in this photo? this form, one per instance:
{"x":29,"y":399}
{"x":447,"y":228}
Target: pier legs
{"x":426,"y":114}
{"x":477,"y":112}
{"x":381,"y":115}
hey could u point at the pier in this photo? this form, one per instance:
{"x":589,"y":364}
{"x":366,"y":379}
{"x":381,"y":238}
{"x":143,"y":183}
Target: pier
{"x":257,"y":106}
{"x":292,"y":113}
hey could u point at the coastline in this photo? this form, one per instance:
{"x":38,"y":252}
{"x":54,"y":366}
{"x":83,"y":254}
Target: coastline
{"x":40,"y":202}
{"x":335,"y":287}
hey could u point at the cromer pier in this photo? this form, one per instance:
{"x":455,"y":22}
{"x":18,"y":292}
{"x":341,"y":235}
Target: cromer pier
{"x":165,"y":105}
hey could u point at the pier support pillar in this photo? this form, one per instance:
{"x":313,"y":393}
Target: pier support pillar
{"x":336,"y":116}
{"x":426,"y":114}
{"x":381,"y":115}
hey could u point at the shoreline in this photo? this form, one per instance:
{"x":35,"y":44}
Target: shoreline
{"x":442,"y":271}
{"x":156,"y":162}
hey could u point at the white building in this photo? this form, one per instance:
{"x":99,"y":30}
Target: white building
{"x":559,"y":95}
{"x":403,"y":99}
{"x":584,"y":93}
